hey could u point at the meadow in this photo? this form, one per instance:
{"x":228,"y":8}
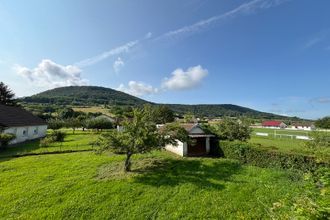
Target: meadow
{"x":286,"y":144}
{"x":93,"y":109}
{"x":85,"y":185}
{"x":77,"y":141}
{"x":74,"y":182}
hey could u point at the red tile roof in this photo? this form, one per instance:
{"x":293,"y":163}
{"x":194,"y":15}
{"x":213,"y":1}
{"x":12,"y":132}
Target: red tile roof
{"x":272,"y":123}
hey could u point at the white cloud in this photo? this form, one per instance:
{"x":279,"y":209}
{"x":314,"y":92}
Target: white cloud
{"x":50,"y":74}
{"x":137,"y":88}
{"x":182,"y":80}
{"x":118,"y":50}
{"x":118,"y":64}
{"x":243,"y":9}
{"x":319,"y":38}
{"x":148,"y":35}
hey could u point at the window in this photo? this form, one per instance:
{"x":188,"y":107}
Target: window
{"x":35,"y":131}
{"x":24,"y":132}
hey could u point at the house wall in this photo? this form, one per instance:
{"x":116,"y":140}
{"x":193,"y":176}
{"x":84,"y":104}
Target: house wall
{"x":181,"y":148}
{"x":26,"y":133}
{"x":305,"y":128}
{"x":272,"y":127}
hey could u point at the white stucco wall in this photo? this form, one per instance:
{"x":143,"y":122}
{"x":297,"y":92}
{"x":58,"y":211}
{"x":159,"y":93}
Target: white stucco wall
{"x":26,"y":133}
{"x":207,"y":145}
{"x":180,"y":149}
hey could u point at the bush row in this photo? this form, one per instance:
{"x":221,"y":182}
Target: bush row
{"x":250,"y":154}
{"x":5,"y":139}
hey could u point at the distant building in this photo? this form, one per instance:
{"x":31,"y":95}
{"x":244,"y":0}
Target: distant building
{"x":274,"y":124}
{"x":23,"y":124}
{"x":302,"y":126}
{"x":199,"y":146}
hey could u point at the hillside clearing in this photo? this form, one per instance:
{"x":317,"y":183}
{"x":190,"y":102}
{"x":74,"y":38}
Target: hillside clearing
{"x":93,"y":109}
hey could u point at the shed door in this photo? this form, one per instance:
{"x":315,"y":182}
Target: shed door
{"x":198,"y":147}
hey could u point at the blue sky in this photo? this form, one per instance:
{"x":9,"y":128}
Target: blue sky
{"x":269,"y":55}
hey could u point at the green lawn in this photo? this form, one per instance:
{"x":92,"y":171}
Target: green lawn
{"x":78,"y":141}
{"x":281,"y":131}
{"x":85,"y":185}
{"x":286,"y":144}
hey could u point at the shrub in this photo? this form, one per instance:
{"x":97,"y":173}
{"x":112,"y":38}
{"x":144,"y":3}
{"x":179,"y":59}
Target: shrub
{"x":253,"y":154}
{"x":5,"y":139}
{"x":319,"y":140}
{"x":57,"y":136}
{"x":45,"y":142}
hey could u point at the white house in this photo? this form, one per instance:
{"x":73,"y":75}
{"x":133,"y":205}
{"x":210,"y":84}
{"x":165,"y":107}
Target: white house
{"x":302,"y":126}
{"x":23,"y":124}
{"x":199,"y":146}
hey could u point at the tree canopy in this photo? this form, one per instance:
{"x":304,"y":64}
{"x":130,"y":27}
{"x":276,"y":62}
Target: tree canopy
{"x":323,"y":123}
{"x":231,"y":129}
{"x":6,"y":95}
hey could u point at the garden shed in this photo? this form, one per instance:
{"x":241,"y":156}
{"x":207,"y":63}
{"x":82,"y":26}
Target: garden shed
{"x":200,"y":142}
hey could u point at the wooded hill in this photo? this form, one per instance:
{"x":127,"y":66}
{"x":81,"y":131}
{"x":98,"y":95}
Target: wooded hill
{"x":94,"y":96}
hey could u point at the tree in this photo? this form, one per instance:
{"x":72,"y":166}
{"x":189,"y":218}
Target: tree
{"x":6,"y":95}
{"x":55,"y":124}
{"x":163,"y":114}
{"x":189,"y":118}
{"x":73,"y":123}
{"x":323,"y":123}
{"x":230,"y":129}
{"x":140,"y":135}
{"x":66,"y":113}
{"x":121,"y":112}
{"x":99,"y":123}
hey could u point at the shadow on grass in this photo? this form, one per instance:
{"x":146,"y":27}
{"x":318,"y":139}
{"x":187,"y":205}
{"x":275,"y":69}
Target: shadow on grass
{"x":16,"y":149}
{"x":172,"y":172}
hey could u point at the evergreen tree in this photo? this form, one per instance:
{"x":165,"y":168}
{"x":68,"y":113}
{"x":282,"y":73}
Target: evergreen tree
{"x":6,"y":95}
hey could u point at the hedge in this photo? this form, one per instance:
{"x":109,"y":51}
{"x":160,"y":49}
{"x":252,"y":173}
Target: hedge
{"x":248,"y":153}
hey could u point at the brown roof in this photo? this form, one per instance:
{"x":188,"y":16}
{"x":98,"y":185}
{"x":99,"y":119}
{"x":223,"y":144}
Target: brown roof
{"x":15,"y":116}
{"x":188,"y":126}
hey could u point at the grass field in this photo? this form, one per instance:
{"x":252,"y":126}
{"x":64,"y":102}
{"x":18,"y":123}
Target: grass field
{"x":78,"y":141}
{"x":88,"y":186}
{"x":286,"y":144}
{"x":281,"y":131}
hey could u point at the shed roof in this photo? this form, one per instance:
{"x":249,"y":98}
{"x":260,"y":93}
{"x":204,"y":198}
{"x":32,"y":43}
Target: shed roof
{"x":11,"y":116}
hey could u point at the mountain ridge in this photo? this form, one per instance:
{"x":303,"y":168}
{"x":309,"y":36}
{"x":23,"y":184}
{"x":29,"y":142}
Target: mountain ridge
{"x":97,"y":95}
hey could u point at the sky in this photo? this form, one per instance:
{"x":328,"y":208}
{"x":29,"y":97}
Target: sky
{"x":268,"y":55}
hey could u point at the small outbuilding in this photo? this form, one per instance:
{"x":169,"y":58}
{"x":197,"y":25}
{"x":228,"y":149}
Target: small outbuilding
{"x":199,"y":146}
{"x":23,"y":124}
{"x":303,"y":126}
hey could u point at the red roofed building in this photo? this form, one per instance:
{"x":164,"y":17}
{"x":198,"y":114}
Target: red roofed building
{"x":274,"y":124}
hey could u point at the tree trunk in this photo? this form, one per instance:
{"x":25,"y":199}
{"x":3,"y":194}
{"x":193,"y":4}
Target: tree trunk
{"x":128,"y":162}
